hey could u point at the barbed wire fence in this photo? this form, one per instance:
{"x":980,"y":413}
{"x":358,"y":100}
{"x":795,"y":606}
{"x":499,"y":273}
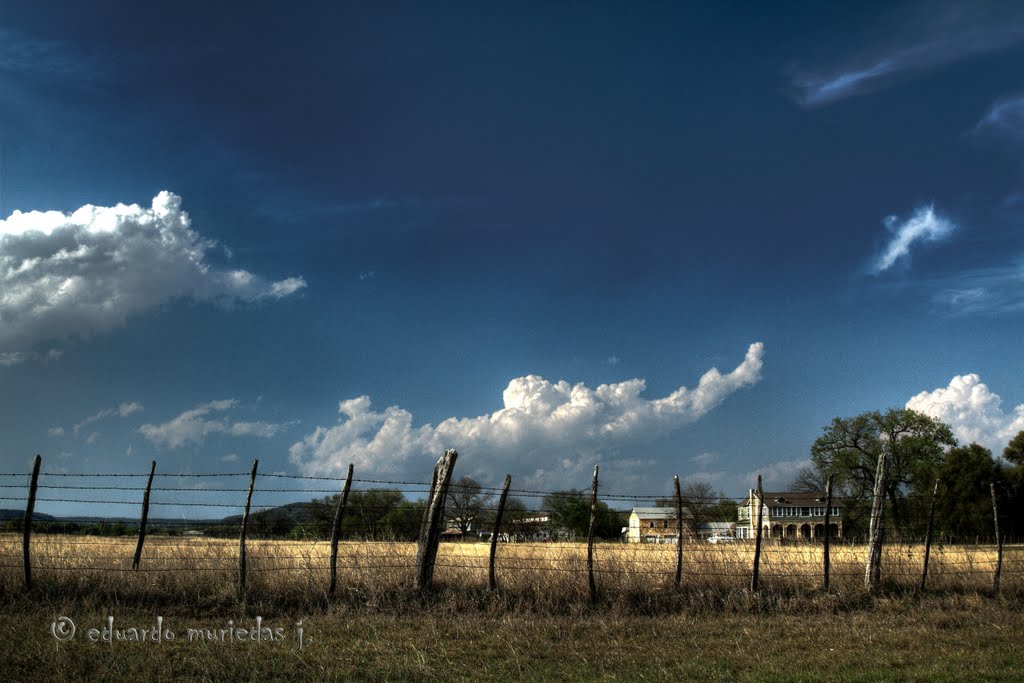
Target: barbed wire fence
{"x":367,"y":531}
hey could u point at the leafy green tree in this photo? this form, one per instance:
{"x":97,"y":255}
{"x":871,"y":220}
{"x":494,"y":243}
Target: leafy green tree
{"x":570,"y":510}
{"x":367,"y":512}
{"x":1014,"y":451}
{"x":849,"y":448}
{"x":964,"y":504}
{"x":403,"y":522}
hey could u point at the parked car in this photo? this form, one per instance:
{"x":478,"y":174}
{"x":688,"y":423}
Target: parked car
{"x":720,"y":538}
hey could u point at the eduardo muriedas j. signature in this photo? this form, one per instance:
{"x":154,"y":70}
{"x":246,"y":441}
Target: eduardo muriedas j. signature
{"x":64,"y":630}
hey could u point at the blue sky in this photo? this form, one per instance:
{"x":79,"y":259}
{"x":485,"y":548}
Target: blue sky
{"x":364,"y":233}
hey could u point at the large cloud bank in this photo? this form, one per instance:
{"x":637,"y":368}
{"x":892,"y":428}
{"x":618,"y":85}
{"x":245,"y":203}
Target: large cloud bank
{"x":83,"y":273}
{"x":543,"y":424}
{"x":973,"y":411}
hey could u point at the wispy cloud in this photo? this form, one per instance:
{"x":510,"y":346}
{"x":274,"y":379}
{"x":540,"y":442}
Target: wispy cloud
{"x":927,"y":36}
{"x":704,"y":460}
{"x":195,"y":424}
{"x":123,"y":410}
{"x":1005,"y":117}
{"x":20,"y":53}
{"x":777,"y":475}
{"x":925,"y":225}
{"x":11,"y":358}
{"x":985,"y":290}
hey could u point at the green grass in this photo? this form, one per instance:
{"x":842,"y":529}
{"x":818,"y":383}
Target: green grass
{"x":930,"y":638}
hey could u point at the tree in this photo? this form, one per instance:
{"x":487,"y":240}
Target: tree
{"x":1014,"y":451}
{"x":466,"y":504}
{"x":809,"y":479}
{"x":964,"y":505}
{"x":849,"y":448}
{"x":701,"y":503}
{"x":403,"y":522}
{"x":367,"y":512}
{"x":513,"y":520}
{"x":570,"y":510}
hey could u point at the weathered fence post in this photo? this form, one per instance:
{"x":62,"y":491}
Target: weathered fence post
{"x":339,"y":516}
{"x":245,"y":526}
{"x":590,"y":538}
{"x":142,"y":521}
{"x":26,"y":539}
{"x":928,"y":536}
{"x":679,"y":531}
{"x":433,"y":516}
{"x":828,"y":521}
{"x":999,"y":541}
{"x":873,"y":568}
{"x":757,"y":543}
{"x":491,"y":581}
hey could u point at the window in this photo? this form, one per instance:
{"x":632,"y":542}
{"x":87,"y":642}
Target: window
{"x":652,"y":524}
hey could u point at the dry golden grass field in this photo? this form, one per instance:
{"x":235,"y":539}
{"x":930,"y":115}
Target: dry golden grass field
{"x":539,"y":625}
{"x":554,"y":574}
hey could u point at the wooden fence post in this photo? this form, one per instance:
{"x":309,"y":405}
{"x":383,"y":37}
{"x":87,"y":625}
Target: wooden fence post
{"x":339,"y":516}
{"x":679,"y":531}
{"x":245,"y":526}
{"x":873,"y":567}
{"x":433,"y":517}
{"x":491,"y":581}
{"x":999,"y":541}
{"x":26,"y":540}
{"x":827,"y":547}
{"x":590,"y":538}
{"x":145,"y":516}
{"x":755,"y":577}
{"x":426,"y":505}
{"x":928,"y":536}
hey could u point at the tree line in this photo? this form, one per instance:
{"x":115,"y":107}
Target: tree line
{"x":922,"y":451}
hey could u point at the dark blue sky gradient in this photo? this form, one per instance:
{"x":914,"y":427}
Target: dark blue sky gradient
{"x":478,"y":192}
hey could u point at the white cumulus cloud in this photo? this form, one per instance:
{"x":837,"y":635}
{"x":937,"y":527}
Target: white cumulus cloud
{"x":72,"y":275}
{"x":543,"y":425}
{"x":923,"y":226}
{"x":194,"y":425}
{"x":973,"y":411}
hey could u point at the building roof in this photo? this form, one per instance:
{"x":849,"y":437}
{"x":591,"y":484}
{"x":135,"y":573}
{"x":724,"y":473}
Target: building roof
{"x":658,"y":513}
{"x":794,"y":498}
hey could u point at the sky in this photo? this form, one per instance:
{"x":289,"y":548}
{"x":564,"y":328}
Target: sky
{"x":662,"y":238}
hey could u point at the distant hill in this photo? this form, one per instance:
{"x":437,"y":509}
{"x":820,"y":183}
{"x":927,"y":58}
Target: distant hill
{"x":298,"y":513}
{"x":20,"y":514}
{"x":279,"y":519}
